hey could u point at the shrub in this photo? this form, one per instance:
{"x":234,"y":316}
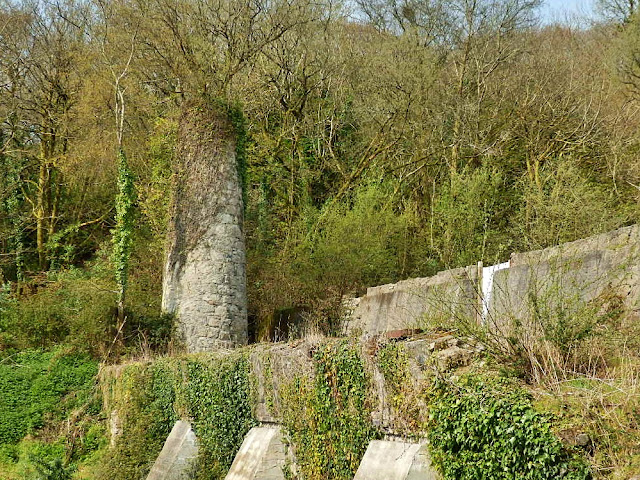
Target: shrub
{"x":486,"y":428}
{"x":465,"y":215}
{"x":51,"y":470}
{"x":77,"y":307}
{"x":567,"y":206}
{"x":343,"y":248}
{"x":36,"y":387}
{"x":73,"y":307}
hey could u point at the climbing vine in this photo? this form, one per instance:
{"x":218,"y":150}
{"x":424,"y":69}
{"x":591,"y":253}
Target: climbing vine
{"x":328,"y":418}
{"x":234,"y":112}
{"x":479,"y":426}
{"x":219,"y":402}
{"x":238,"y":121}
{"x":404,"y":396}
{"x":12,"y":206}
{"x":143,"y":397}
{"x":214,"y":392}
{"x":122,"y":234}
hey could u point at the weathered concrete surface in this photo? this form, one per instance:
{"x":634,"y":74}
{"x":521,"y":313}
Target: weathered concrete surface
{"x":204,"y":282}
{"x":422,"y":468}
{"x":261,"y":456}
{"x":605,"y":268}
{"x":386,"y":460}
{"x":178,"y":458}
{"x":403,"y":305}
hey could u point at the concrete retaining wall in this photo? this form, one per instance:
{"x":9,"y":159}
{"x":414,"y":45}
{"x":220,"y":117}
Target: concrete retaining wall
{"x":403,"y":305}
{"x":262,"y":456}
{"x":569,"y":276}
{"x":274,"y":366}
{"x":605,"y":266}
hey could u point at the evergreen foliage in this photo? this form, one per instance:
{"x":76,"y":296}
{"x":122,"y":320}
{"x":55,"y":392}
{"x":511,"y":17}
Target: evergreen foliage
{"x":144,"y":397}
{"x":218,"y":397}
{"x":37,"y":387}
{"x":486,"y":428}
{"x":328,"y":418}
{"x":215,"y":392}
{"x":123,"y":232}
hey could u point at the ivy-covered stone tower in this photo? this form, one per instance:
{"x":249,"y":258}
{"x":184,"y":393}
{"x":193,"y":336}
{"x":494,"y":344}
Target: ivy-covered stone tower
{"x":204,"y":282}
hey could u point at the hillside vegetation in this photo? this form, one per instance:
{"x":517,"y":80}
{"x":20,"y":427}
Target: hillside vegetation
{"x":382,"y":141}
{"x":378,"y":140}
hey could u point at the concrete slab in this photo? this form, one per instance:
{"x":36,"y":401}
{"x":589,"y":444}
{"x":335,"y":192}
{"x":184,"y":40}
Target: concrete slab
{"x":403,"y":305}
{"x":422,"y":468}
{"x":178,"y":458}
{"x":261,"y":456}
{"x":386,"y":460}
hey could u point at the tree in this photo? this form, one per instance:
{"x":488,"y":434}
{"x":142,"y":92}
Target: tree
{"x":122,"y":235}
{"x":42,"y":81}
{"x":618,"y":10}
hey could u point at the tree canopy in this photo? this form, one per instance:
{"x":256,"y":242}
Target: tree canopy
{"x":385,"y":139}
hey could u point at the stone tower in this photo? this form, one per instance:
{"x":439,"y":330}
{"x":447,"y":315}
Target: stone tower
{"x":204,"y":282}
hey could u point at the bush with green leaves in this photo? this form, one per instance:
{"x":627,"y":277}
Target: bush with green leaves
{"x":52,"y":470}
{"x":565,"y":206}
{"x":466,"y":218}
{"x":342,"y":248}
{"x":482,"y":427}
{"x":76,"y":307}
{"x":364,"y":242}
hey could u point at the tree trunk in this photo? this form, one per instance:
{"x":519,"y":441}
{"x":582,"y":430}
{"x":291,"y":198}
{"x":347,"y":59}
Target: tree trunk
{"x":40,"y":214}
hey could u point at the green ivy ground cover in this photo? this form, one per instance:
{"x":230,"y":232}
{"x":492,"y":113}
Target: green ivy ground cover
{"x":38,"y":386}
{"x":213,"y":391}
{"x":39,"y":393}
